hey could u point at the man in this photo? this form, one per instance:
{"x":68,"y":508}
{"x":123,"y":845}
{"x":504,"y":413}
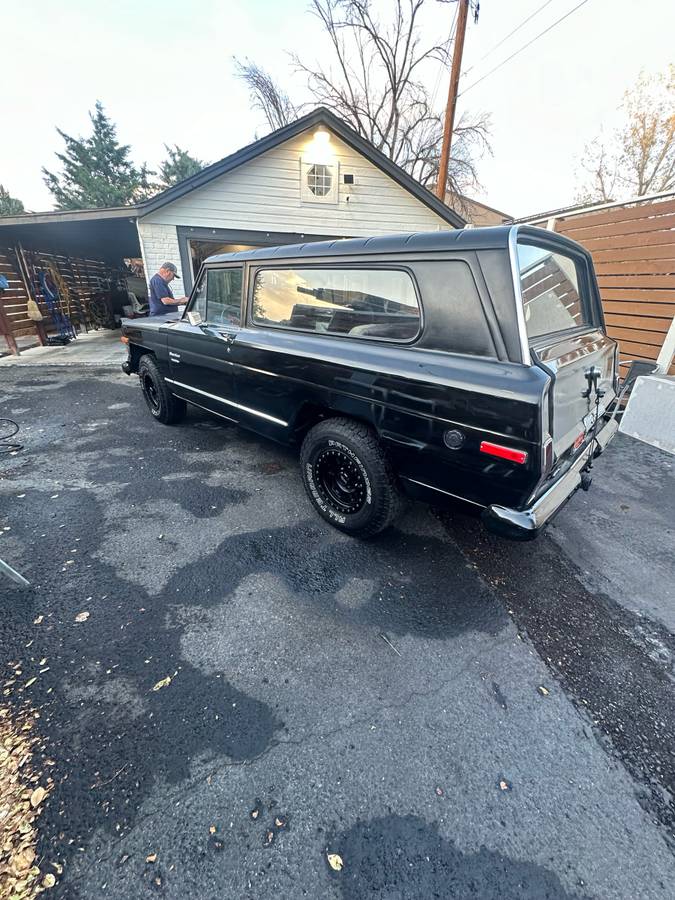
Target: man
{"x":161,"y":297}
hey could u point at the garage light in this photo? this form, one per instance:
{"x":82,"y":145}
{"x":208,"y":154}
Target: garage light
{"x":319,"y":151}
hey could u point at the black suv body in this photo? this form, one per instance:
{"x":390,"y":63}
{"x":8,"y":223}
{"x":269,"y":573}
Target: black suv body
{"x":466,"y":365}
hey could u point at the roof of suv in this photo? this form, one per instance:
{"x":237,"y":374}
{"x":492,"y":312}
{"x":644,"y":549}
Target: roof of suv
{"x":460,"y":238}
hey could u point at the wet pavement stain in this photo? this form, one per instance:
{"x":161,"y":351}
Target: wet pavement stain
{"x":98,"y":687}
{"x":405,"y":857}
{"x":595,"y":648}
{"x":434,"y":601}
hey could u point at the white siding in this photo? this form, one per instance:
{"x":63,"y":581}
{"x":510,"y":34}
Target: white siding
{"x":159,"y":244}
{"x":264,"y":195}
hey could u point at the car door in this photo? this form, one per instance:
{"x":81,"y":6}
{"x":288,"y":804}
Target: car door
{"x":200,"y":363}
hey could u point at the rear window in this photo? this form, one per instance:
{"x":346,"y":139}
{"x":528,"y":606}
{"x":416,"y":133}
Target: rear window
{"x":375,"y":304}
{"x":550,"y":287}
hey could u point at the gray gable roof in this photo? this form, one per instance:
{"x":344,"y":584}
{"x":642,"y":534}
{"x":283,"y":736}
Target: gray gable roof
{"x":318,"y":116}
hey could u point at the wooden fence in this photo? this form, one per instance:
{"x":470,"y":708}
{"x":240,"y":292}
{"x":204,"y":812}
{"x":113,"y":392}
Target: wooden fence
{"x":633,"y":248}
{"x":81,"y":276}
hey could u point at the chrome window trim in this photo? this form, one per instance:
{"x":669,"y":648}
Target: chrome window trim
{"x":254,"y":412}
{"x":518,"y":296}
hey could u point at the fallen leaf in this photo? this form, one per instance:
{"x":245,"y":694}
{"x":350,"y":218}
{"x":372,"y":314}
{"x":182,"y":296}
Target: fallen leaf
{"x":37,"y":797}
{"x":280,"y":821}
{"x":543,"y":690}
{"x":82,"y":617}
{"x":151,"y":857}
{"x":38,"y":620}
{"x":24,"y":859}
{"x":335,"y":861}
{"x":165,"y":682}
{"x":31,"y":681}
{"x":49,"y":880}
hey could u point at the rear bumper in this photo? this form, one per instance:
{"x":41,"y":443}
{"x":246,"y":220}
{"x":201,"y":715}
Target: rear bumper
{"x":525,"y":524}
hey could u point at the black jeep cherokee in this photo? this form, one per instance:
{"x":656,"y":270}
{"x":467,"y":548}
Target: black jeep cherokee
{"x":471,"y":365}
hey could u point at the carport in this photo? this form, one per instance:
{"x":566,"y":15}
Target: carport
{"x":93,"y":257}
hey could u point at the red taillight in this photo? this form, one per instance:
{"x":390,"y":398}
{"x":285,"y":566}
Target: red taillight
{"x":516,"y":456}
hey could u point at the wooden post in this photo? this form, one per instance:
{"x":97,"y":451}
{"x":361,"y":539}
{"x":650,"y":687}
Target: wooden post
{"x":6,"y":329}
{"x":449,"y":123}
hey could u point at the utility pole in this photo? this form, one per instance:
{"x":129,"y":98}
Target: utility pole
{"x":449,"y":123}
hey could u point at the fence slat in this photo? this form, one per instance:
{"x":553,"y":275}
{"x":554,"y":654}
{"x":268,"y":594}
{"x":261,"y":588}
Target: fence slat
{"x":619,"y":214}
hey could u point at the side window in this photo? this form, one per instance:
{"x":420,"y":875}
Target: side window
{"x":550,"y":286}
{"x":361,"y":303}
{"x":223,"y":296}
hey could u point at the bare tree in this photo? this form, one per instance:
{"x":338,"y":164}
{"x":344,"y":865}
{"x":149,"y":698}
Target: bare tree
{"x":266,"y":95}
{"x":374,"y":80}
{"x":639,"y":158}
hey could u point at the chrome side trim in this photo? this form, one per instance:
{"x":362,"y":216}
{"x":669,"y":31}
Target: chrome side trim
{"x":441,"y":491}
{"x":518,"y":296}
{"x":254,"y":412}
{"x":259,"y":371}
{"x":212,"y":412}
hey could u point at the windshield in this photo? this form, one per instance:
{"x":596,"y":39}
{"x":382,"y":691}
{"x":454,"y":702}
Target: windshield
{"x":550,"y":287}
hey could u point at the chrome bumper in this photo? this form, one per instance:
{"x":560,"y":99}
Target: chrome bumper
{"x":524,"y":524}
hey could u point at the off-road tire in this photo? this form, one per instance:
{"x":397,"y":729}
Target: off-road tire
{"x":163,"y":405}
{"x":341,"y":441}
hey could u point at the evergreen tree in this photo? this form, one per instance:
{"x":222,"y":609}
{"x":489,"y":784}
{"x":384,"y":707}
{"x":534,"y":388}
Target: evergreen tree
{"x":97,"y":170}
{"x":9,"y":206}
{"x":178,"y":166}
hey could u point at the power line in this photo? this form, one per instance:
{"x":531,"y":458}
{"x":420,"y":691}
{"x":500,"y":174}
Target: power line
{"x":510,"y":34}
{"x":524,"y":47}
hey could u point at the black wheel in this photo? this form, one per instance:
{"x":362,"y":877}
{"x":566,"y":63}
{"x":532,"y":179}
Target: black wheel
{"x":348,"y":478}
{"x":163,"y":405}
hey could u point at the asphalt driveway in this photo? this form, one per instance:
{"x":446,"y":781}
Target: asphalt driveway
{"x":450,"y":714}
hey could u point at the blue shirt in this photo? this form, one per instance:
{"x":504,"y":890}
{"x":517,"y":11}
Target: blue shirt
{"x":158,"y":289}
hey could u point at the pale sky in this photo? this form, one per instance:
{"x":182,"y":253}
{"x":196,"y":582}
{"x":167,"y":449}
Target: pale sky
{"x":163,"y":70}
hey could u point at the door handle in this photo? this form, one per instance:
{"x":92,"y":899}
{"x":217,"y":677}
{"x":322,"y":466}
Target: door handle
{"x":227,"y":336}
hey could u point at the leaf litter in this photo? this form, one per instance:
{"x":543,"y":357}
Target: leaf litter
{"x":21,"y":876}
